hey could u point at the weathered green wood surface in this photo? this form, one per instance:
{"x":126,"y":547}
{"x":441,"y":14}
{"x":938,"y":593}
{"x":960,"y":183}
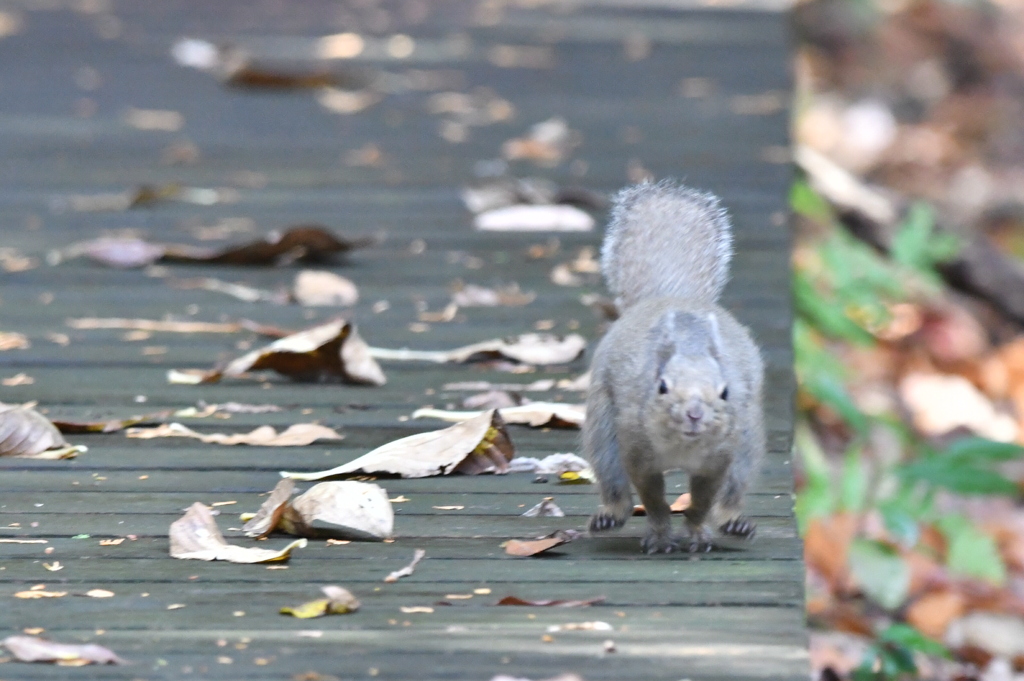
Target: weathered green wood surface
{"x":618,"y":73}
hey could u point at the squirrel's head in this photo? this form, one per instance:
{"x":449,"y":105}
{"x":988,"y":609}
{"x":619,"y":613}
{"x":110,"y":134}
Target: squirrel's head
{"x":690,"y":392}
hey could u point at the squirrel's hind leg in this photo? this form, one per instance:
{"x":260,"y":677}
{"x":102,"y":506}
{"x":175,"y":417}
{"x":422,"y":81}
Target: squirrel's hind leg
{"x":601,"y":446}
{"x":733,"y":522}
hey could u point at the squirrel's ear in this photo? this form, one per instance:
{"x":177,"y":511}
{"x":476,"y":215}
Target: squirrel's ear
{"x":716,"y":336}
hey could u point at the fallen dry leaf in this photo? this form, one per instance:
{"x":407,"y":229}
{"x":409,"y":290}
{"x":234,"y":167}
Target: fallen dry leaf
{"x":27,"y":434}
{"x":532,"y":547}
{"x":580,"y":626}
{"x":410,"y":609}
{"x":301,"y":243}
{"x":470,"y":295}
{"x":546,"y":142}
{"x":529,"y":348}
{"x":331,"y":351}
{"x":92,"y":323}
{"x":479,"y":445}
{"x":10,"y":340}
{"x":34,"y":649}
{"x":195,"y":536}
{"x":545,"y":509}
{"x":558,"y":603}
{"x":680,"y":505}
{"x":323,"y":289}
{"x":492,"y":399}
{"x":297,"y":435}
{"x":535,"y":414}
{"x":348,"y":509}
{"x":109,"y":426}
{"x":38,"y":593}
{"x":932,"y":613}
{"x":99,"y":593}
{"x":339,"y":601}
{"x":941,"y":403}
{"x":240,"y":291}
{"x":417,"y":556}
{"x":527,"y":218}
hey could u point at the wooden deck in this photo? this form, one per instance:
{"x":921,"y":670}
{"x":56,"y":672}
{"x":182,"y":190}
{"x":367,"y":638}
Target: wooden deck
{"x":692,"y":92}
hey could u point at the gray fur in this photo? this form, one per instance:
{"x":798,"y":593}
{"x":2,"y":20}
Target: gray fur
{"x":666,"y":240}
{"x":658,"y":376}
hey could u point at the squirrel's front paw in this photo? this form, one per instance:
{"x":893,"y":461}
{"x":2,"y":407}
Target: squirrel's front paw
{"x":605,"y":520}
{"x":659,"y":542}
{"x":699,"y":540}
{"x":739,"y":527}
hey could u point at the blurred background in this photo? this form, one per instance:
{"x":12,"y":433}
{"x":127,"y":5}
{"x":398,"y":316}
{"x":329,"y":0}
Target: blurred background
{"x":909,"y":290}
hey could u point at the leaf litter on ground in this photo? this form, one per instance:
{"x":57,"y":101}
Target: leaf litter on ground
{"x":479,"y":445}
{"x":301,"y":243}
{"x":339,"y":601}
{"x":338,"y":510}
{"x":296,"y":435}
{"x":27,"y":434}
{"x":195,"y":536}
{"x":330,"y":351}
{"x":35,"y":649}
{"x":553,"y":603}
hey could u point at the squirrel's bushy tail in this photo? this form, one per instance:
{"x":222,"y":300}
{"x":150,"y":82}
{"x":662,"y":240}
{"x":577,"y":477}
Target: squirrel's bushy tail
{"x":666,"y":240}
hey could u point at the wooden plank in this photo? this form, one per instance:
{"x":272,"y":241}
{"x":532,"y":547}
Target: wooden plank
{"x":735,"y":613}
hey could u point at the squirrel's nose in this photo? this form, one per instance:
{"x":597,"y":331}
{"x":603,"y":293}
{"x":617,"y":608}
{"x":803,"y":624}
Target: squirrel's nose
{"x":695,"y":412}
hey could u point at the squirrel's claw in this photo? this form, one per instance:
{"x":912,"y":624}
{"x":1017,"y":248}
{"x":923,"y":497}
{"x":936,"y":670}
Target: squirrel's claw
{"x":605,"y":520}
{"x":739,"y":527}
{"x":657,"y":542}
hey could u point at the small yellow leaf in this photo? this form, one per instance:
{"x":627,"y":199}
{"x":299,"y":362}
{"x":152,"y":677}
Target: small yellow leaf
{"x":317,"y":608}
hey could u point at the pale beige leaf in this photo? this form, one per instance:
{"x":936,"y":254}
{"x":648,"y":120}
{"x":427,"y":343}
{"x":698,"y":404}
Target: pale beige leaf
{"x":478,"y":445}
{"x":153,"y":325}
{"x":545,"y":509}
{"x":27,"y":434}
{"x":34,"y":649}
{"x":297,"y":435}
{"x":529,"y":348}
{"x":529,"y":218}
{"x":343,"y":509}
{"x":941,"y":403}
{"x":352,"y":510}
{"x":323,"y":289}
{"x":195,"y":536}
{"x":417,"y":556}
{"x":33,"y":595}
{"x":535,"y":414}
{"x":267,"y":517}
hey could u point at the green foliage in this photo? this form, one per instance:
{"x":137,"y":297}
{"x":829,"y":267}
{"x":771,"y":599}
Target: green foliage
{"x":971,"y":553}
{"x":965,"y":467}
{"x":919,"y":246}
{"x":823,"y":377}
{"x":880,"y":571}
{"x":805,"y":201}
{"x":853,"y":484}
{"x":816,"y":499}
{"x":892,"y":656}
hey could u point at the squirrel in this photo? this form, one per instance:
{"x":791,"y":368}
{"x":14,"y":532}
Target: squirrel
{"x":676,"y":382}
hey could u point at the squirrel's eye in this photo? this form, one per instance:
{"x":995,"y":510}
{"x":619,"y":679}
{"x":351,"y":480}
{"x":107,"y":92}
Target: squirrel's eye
{"x":725,"y":393}
{"x":662,"y":387}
